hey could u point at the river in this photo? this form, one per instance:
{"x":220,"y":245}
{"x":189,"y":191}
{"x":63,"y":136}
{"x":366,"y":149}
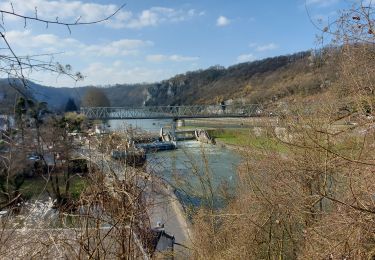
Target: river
{"x":194,"y":168}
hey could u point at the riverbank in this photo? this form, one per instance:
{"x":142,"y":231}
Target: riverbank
{"x":239,"y":132}
{"x":232,"y":122}
{"x":242,"y":139}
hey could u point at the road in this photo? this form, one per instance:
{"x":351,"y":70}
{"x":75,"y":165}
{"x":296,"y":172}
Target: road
{"x":167,"y":210}
{"x":163,"y":205}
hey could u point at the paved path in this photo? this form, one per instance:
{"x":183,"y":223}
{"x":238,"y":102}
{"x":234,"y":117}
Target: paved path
{"x":164,"y":207}
{"x":167,"y":210}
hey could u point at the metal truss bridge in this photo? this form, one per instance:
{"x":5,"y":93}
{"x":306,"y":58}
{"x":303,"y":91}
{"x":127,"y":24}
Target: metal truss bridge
{"x":172,"y":112}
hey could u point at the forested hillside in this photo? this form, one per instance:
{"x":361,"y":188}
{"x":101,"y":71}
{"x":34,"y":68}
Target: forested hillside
{"x":263,"y":81}
{"x":119,"y":95}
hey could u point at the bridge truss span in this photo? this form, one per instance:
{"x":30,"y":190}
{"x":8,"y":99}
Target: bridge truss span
{"x":172,"y":112}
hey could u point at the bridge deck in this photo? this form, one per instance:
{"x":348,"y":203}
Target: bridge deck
{"x":172,"y":112}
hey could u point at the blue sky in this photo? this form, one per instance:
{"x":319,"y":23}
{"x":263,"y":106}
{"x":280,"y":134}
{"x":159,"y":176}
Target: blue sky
{"x":152,"y":40}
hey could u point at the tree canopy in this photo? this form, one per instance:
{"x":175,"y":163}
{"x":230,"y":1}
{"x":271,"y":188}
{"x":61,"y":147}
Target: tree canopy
{"x":70,"y":106}
{"x":95,"y":97}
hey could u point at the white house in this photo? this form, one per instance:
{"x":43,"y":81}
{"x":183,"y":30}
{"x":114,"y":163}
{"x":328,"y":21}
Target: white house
{"x":6,"y":122}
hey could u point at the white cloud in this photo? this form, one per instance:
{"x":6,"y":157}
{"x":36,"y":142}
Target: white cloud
{"x":121,"y":47}
{"x":118,"y":73}
{"x":157,"y":15}
{"x":104,"y":72}
{"x":222,"y":21}
{"x":175,"y":58}
{"x":33,"y":43}
{"x":246,"y":57}
{"x":179,"y":58}
{"x":267,"y":47}
{"x":263,"y":47}
{"x":63,"y":9}
{"x":51,"y":43}
{"x":157,"y":58}
{"x":70,"y":11}
{"x":101,"y":73}
{"x":193,"y":12}
{"x":148,"y":18}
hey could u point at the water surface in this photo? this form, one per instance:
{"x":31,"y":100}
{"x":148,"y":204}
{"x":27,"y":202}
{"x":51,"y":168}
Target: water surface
{"x":195,"y":169}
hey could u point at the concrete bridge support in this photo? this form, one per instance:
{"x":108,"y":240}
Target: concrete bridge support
{"x":180,"y":123}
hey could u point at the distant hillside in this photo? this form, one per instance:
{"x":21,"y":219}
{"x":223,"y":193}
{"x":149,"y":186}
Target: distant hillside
{"x":119,"y":95}
{"x":127,"y":95}
{"x":263,"y":81}
{"x":56,"y":98}
{"x":260,"y":81}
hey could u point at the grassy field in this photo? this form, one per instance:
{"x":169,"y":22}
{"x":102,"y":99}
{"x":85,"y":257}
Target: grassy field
{"x":38,"y":188}
{"x":243,"y":137}
{"x":246,"y":138}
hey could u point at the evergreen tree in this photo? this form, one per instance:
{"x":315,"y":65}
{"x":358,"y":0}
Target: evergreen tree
{"x":70,"y":106}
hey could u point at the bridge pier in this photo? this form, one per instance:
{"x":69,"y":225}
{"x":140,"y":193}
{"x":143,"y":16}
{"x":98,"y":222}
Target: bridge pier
{"x":180,"y":122}
{"x":174,"y":126}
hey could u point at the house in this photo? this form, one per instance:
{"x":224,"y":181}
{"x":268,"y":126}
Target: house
{"x":101,"y":129}
{"x":161,"y":244}
{"x":6,"y":122}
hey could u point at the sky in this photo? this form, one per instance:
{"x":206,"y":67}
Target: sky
{"x":152,"y":40}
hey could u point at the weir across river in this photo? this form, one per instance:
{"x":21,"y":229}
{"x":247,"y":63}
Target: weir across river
{"x":172,"y":112}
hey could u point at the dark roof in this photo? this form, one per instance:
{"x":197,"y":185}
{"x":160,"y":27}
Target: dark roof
{"x":160,"y":241}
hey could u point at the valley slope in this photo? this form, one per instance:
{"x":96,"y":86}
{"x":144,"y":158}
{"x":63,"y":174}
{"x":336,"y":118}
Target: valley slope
{"x":263,"y":81}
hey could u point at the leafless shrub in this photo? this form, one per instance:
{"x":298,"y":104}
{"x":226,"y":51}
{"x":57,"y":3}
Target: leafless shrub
{"x":18,"y":66}
{"x":315,"y":199}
